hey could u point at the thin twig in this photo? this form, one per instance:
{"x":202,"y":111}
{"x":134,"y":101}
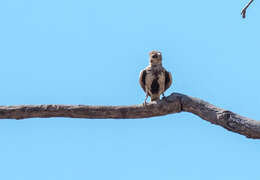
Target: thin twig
{"x":243,"y":12}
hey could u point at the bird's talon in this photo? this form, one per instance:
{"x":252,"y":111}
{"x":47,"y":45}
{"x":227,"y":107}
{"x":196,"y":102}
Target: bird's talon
{"x":165,"y":99}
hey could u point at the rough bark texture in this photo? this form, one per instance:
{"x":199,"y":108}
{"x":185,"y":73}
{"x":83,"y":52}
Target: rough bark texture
{"x":174,"y":103}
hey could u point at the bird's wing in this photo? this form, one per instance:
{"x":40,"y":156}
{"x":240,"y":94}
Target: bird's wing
{"x":168,"y":80}
{"x":142,"y":79}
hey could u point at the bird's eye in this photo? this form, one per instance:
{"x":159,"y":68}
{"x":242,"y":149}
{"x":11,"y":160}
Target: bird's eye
{"x":155,"y":56}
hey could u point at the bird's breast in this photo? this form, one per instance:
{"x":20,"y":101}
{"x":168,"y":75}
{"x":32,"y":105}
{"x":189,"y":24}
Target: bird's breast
{"x":155,"y":82}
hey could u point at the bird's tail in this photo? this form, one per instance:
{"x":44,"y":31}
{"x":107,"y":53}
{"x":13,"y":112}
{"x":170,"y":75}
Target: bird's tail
{"x":155,"y":98}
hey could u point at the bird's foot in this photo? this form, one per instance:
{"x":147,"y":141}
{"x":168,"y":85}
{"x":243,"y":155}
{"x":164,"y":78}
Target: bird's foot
{"x":164,"y":98}
{"x":145,"y":99}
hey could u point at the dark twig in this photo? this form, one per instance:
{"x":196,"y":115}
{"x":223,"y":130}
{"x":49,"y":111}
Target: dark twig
{"x":243,"y":12}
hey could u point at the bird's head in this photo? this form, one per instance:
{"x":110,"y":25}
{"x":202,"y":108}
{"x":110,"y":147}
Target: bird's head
{"x":155,"y":58}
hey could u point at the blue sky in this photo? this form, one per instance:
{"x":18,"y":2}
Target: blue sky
{"x":91,"y":52}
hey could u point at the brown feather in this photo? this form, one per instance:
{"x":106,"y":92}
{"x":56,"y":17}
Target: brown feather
{"x":142,"y":79}
{"x":168,"y":80}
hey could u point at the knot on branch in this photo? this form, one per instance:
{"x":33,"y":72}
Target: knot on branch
{"x":233,"y":123}
{"x":50,"y":107}
{"x":177,"y":99}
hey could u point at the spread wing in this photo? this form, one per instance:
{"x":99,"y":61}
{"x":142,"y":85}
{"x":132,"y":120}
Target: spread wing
{"x":168,"y":80}
{"x":142,"y":79}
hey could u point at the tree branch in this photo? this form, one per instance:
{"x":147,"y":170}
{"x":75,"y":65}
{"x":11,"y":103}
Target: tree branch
{"x":243,"y":12}
{"x":174,"y":103}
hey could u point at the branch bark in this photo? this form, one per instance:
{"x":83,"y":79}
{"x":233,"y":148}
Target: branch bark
{"x":243,"y":12}
{"x":174,"y":103}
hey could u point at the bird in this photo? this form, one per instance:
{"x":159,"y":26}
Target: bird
{"x":155,"y":79}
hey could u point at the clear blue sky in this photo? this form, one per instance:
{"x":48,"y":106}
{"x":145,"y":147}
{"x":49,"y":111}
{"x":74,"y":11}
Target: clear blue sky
{"x":91,"y":52}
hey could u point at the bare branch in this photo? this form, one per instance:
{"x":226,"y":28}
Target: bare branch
{"x":243,"y":12}
{"x":174,"y":103}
